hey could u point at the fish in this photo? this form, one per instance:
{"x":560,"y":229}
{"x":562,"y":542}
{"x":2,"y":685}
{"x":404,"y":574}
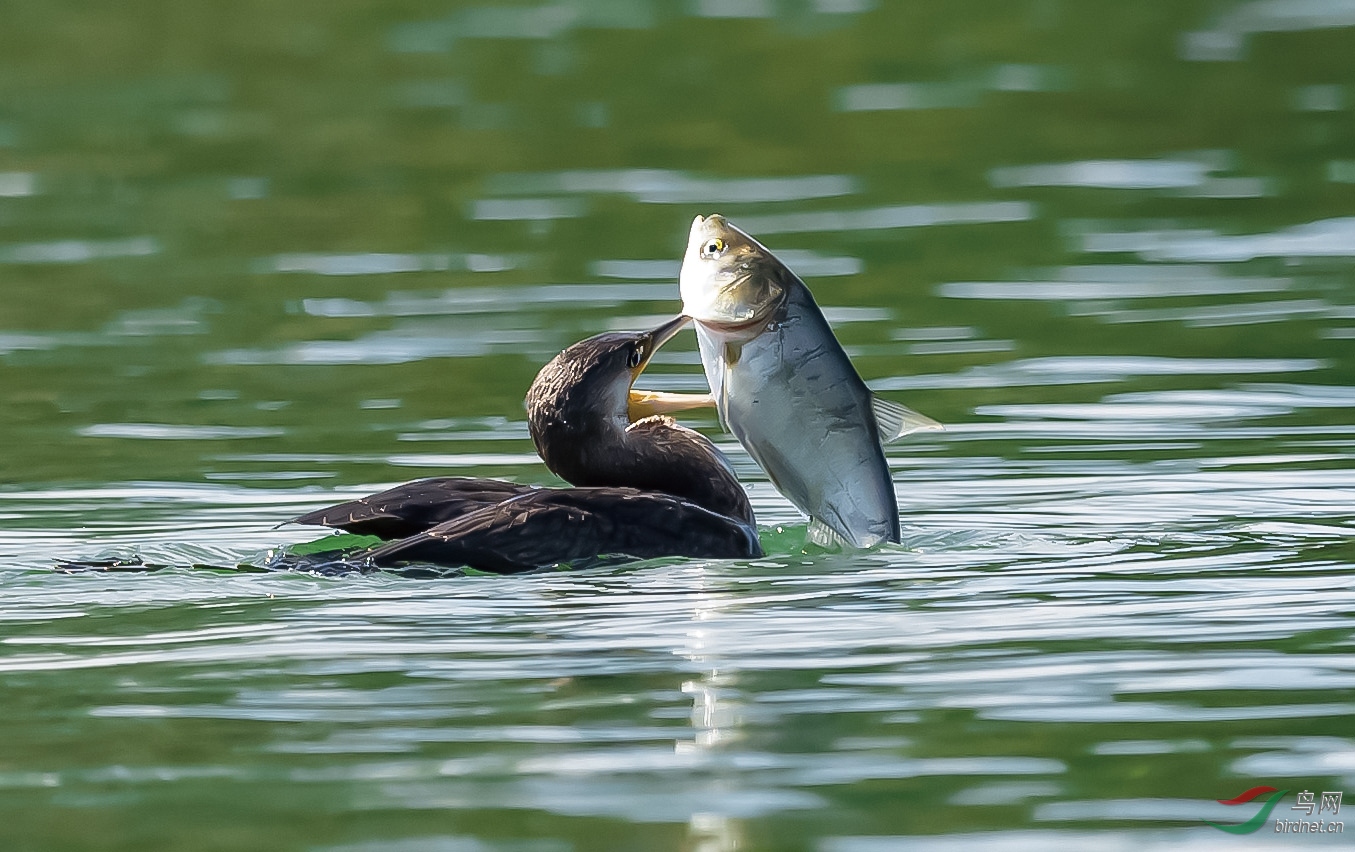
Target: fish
{"x":784,"y":387}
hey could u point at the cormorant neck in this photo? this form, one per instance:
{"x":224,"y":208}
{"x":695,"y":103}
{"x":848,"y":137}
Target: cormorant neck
{"x":583,"y":434}
{"x":656,"y":454}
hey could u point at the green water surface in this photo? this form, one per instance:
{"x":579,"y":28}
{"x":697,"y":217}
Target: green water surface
{"x":256,"y":258}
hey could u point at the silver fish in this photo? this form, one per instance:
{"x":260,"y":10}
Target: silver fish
{"x":785,"y":388}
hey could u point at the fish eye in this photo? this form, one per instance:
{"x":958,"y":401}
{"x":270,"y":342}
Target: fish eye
{"x":713,"y":247}
{"x":637,"y":354}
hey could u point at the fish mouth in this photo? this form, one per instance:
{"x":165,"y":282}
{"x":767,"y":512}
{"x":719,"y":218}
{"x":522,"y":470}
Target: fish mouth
{"x":759,"y":317}
{"x":732,"y":326}
{"x":642,"y":403}
{"x":740,"y":297}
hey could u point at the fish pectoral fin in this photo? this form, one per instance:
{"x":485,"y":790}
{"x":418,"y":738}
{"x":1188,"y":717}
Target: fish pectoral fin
{"x":732,"y":352}
{"x":896,"y":420}
{"x":720,"y":393}
{"x":825,"y":536}
{"x":644,"y":404}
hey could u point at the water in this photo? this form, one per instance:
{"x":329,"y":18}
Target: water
{"x":254,"y":261}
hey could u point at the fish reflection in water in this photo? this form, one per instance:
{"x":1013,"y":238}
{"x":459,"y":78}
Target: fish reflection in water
{"x":786,"y":389}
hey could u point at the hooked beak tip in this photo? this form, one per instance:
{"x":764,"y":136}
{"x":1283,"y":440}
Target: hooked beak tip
{"x":665,"y":332}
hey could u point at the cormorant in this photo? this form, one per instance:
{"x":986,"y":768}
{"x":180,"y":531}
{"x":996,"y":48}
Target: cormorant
{"x":645,"y":486}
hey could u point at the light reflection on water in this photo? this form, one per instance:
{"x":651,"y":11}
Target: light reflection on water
{"x":893,"y":639}
{"x":657,"y":186}
{"x":1325,"y":238}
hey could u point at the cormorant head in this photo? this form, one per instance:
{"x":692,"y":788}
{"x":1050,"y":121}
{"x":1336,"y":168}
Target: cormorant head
{"x":587,"y":387}
{"x":592,"y":428}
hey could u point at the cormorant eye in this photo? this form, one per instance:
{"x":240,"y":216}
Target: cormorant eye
{"x":637,"y":354}
{"x":713,"y":247}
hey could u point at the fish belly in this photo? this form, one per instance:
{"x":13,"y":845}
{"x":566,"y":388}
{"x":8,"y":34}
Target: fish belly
{"x":796,"y":404}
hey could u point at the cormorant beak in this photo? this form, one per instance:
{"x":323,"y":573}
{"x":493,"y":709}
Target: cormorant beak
{"x":648,"y":403}
{"x":664,"y":333}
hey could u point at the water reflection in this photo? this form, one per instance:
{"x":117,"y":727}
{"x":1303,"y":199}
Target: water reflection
{"x":1325,"y":238}
{"x":890,"y":217}
{"x":379,"y":263}
{"x":875,"y":97}
{"x":1226,"y":40}
{"x":1120,"y":281}
{"x":546,"y":21}
{"x":1088,"y":370}
{"x":188,"y":317}
{"x":171,"y":432}
{"x":476,"y":300}
{"x":721,"y":660}
{"x":1249,"y":313}
{"x":660,"y":186}
{"x":1110,"y":174}
{"x":459,"y":323}
{"x":529,"y":209}
{"x":1190,"y":178}
{"x":18,"y":184}
{"x":78,"y":251}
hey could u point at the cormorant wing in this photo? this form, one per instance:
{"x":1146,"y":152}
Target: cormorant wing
{"x":414,"y":507}
{"x":576,"y":525}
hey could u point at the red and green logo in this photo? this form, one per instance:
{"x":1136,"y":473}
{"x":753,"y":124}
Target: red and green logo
{"x":1261,"y":816}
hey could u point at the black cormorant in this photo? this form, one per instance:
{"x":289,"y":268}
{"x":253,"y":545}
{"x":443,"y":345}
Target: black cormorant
{"x":645,"y":486}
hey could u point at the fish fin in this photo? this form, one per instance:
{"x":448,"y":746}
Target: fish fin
{"x":720,"y":395}
{"x":732,"y":352}
{"x":896,"y":420}
{"x":729,"y":356}
{"x":717,"y":376}
{"x":825,"y":536}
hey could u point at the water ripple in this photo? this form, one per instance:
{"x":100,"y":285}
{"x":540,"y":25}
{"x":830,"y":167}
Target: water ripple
{"x":660,"y":186}
{"x":79,"y":251}
{"x":1324,"y":238}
